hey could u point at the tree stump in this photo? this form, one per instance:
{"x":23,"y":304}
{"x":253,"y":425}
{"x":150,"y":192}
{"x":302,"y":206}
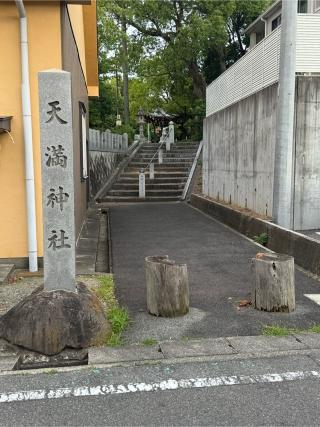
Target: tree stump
{"x":167,"y":287}
{"x":273,"y":282}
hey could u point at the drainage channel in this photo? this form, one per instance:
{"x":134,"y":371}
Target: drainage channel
{"x":67,"y":358}
{"x":104,"y":253}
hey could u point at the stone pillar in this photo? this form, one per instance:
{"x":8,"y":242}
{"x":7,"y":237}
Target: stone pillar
{"x":151,"y":171}
{"x":171,"y":132}
{"x":125,"y":141}
{"x":141,"y":132}
{"x":57,"y":179}
{"x":160,"y":156}
{"x":148,"y":128}
{"x":142,"y":185}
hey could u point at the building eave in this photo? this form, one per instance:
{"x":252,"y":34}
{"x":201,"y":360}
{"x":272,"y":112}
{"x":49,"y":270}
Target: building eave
{"x":271,"y":9}
{"x":91,"y":47}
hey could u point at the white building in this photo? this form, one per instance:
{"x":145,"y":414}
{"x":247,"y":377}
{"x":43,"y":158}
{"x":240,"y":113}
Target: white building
{"x":241,"y":120}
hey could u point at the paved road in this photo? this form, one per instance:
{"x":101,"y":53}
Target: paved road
{"x":219,"y":272}
{"x":281,"y":390}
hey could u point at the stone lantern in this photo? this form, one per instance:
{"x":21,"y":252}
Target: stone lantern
{"x":141,"y":122}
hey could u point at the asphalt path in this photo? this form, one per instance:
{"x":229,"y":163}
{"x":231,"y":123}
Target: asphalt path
{"x":269,"y":395}
{"x":218,"y":261}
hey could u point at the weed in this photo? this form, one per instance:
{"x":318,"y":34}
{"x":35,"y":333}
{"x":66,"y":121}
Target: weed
{"x":279,"y":331}
{"x":314,"y":328}
{"x":262,"y":239}
{"x":115,"y":340}
{"x":117,"y":316}
{"x":51,"y":371}
{"x":276,"y":330}
{"x":105,"y":291}
{"x":149,"y":341}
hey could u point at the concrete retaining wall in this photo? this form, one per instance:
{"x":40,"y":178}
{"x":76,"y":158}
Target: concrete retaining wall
{"x":238,"y":154}
{"x":307,"y":166}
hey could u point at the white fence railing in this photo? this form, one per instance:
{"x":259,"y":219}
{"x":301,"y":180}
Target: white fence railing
{"x":107,"y":141}
{"x":259,"y":67}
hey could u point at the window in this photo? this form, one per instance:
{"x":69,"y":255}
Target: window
{"x":303,"y":6}
{"x":276,"y":22}
{"x":83,"y":141}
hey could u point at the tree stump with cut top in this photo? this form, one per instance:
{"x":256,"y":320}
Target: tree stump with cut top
{"x":273,"y":286}
{"x":167,"y":287}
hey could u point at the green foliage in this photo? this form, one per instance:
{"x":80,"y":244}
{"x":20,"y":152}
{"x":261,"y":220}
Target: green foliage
{"x":173,"y":51}
{"x":117,"y":316}
{"x":149,"y":341}
{"x":262,"y":239}
{"x":315,"y":329}
{"x":51,"y":371}
{"x":103,"y":110}
{"x":276,"y":330}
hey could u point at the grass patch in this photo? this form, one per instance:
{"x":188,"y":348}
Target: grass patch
{"x":117,"y":316}
{"x":105,"y":292}
{"x":51,"y":371}
{"x":314,"y":328}
{"x":277,"y":331}
{"x":281,"y":331}
{"x":149,"y":341}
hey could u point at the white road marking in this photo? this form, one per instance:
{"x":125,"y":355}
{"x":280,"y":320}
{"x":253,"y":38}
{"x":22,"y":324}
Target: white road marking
{"x":170,"y":384}
{"x":314,"y":297}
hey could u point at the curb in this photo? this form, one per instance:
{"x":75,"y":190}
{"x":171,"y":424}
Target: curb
{"x":222,"y":348}
{"x":304,"y":249}
{"x":175,"y":351}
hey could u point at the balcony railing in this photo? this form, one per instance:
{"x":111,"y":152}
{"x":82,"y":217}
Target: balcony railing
{"x":259,"y":67}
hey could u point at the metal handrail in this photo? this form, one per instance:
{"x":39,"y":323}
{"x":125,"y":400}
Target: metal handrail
{"x":192,"y":170}
{"x":164,"y":138}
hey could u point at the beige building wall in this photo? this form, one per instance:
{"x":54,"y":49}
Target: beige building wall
{"x":76,"y":18}
{"x":44,"y":53}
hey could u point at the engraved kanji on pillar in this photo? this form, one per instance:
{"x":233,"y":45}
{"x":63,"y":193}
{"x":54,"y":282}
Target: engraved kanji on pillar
{"x":57,"y":179}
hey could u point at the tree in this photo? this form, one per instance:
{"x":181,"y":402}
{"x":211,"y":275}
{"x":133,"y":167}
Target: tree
{"x":170,"y":53}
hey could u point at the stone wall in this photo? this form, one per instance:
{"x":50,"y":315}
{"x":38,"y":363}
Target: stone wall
{"x":101,"y":165}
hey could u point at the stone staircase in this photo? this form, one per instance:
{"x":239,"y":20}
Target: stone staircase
{"x":170,"y":177}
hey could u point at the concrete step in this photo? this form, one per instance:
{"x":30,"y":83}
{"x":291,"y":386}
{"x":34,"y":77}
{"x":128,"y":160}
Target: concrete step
{"x":169,"y":164}
{"x":158,"y":179}
{"x":151,"y":153}
{"x":166,"y":155}
{"x":5,"y":271}
{"x":149,"y":193}
{"x":175,"y":146}
{"x":127,"y":199}
{"x":158,"y":174}
{"x":149,"y":186}
{"x":170,"y":176}
{"x":160,"y":168}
